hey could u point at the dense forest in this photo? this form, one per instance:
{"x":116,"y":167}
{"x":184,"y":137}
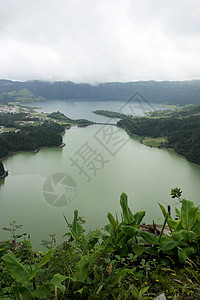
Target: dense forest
{"x":62,"y":118}
{"x":2,"y":171}
{"x":172,"y":92}
{"x":109,"y":114}
{"x":14,"y":120}
{"x":30,"y":138}
{"x":182,"y":128}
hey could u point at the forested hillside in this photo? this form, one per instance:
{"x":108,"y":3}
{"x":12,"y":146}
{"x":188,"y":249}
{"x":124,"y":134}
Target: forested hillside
{"x":172,"y":92}
{"x":31,"y":138}
{"x":2,"y":171}
{"x":182,"y":128}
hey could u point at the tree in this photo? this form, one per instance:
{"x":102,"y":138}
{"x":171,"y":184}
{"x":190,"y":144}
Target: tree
{"x":2,"y":171}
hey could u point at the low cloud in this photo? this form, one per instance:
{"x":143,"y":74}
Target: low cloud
{"x":99,"y":40}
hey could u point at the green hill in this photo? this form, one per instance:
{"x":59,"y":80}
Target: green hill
{"x":181,"y":127}
{"x":171,"y":92}
{"x":23,"y":96}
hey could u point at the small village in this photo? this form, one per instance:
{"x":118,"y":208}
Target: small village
{"x":37,"y":118}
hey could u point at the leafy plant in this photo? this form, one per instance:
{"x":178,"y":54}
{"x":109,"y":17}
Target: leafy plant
{"x":120,"y":262}
{"x":25,"y":278}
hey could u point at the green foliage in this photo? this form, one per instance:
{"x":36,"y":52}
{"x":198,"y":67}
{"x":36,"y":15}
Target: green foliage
{"x":182,"y":129}
{"x":121,"y":262}
{"x":2,"y":170}
{"x":62,"y":118}
{"x":172,"y":92}
{"x":31,"y":138}
{"x":25,"y":277}
{"x":22,"y":95}
{"x":110,"y":114}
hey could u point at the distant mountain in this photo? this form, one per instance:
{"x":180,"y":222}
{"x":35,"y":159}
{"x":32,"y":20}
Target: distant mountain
{"x":172,"y":92}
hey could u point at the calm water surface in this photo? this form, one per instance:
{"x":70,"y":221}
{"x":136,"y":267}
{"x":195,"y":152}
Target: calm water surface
{"x":145,"y":174}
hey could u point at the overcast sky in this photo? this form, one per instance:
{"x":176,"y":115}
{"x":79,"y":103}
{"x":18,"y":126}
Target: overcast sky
{"x":99,"y":40}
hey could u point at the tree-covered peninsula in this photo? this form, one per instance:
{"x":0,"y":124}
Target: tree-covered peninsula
{"x":58,"y":116}
{"x":110,"y":114}
{"x":30,"y":138}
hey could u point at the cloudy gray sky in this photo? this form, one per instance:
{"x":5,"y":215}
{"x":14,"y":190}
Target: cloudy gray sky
{"x":99,"y":40}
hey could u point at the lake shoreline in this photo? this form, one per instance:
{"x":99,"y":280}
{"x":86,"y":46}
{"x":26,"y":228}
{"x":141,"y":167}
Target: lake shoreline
{"x":4,"y":175}
{"x":32,"y":151}
{"x":140,"y":139}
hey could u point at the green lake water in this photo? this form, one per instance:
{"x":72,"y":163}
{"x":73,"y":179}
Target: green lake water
{"x":145,"y":174}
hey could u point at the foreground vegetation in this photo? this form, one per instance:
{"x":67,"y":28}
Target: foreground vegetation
{"x":120,"y":261}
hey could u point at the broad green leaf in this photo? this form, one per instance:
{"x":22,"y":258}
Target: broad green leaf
{"x":169,"y":245}
{"x":113,"y":223}
{"x":121,"y":273}
{"x":138,"y":249}
{"x":151,"y":251}
{"x":45,"y":290}
{"x":82,"y":269}
{"x":77,"y":230}
{"x":166,"y":238}
{"x":172,"y":223}
{"x":135,"y":293}
{"x":93,"y":237}
{"x":184,"y":253}
{"x":121,"y":239}
{"x":46,"y":258}
{"x":144,"y":290}
{"x":196,"y":227}
{"x":178,"y":213}
{"x":163,"y":209}
{"x":149,"y":237}
{"x":188,"y":214}
{"x":43,"y":262}
{"x":139,"y":216}
{"x":16,"y":269}
{"x":130,"y":230}
{"x":24,"y":292}
{"x":109,"y":229}
{"x":184,"y":235}
{"x":112,"y":220}
{"x":57,"y":280}
{"x":126,"y":212}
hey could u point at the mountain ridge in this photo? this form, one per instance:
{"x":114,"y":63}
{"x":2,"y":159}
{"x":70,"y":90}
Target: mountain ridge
{"x":171,"y":92}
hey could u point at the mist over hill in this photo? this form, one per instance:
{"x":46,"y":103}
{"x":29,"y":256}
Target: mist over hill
{"x":172,"y":92}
